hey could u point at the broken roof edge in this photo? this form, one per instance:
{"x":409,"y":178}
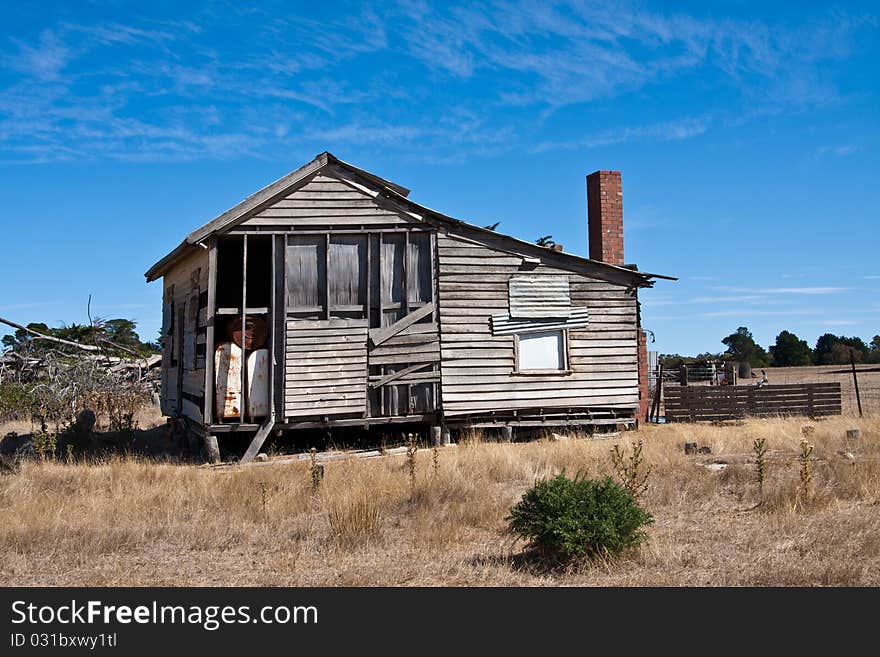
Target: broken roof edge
{"x":394,"y":192}
{"x":627,"y":269}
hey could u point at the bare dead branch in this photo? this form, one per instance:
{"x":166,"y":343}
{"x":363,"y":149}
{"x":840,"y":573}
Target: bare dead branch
{"x":84,"y":347}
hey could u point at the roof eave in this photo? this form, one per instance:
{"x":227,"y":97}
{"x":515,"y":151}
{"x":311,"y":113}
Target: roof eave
{"x":168,"y":261}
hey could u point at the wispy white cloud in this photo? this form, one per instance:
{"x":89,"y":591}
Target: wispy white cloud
{"x":786,"y":290}
{"x":746,"y":313}
{"x":837,"y":322}
{"x":165,"y":89}
{"x":729,"y":299}
{"x":677,"y":130}
{"x":837,"y":150}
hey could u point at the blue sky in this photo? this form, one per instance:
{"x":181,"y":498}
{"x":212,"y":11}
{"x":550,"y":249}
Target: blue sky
{"x":747,"y":136}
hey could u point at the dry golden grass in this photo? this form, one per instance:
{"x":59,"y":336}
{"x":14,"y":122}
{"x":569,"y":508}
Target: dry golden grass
{"x":130,"y":522}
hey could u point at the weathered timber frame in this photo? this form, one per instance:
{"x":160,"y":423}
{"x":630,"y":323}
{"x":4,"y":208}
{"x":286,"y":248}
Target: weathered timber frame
{"x":414,"y":339}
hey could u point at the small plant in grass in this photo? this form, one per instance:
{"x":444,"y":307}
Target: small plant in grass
{"x":631,"y":471}
{"x":566,"y":519}
{"x":315,"y":474}
{"x":264,"y":500}
{"x":354,"y":518}
{"x":411,"y":450}
{"x":806,"y":469}
{"x":760,"y":448}
{"x":44,"y":443}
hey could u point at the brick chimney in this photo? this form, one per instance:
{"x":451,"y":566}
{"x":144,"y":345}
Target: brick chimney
{"x":605,"y":216}
{"x":605,"y":220}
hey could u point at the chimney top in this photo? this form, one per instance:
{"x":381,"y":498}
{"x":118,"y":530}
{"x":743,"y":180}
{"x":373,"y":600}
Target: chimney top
{"x":605,"y":216}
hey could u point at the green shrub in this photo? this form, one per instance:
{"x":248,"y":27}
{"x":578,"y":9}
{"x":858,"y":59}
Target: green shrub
{"x":565,"y":519}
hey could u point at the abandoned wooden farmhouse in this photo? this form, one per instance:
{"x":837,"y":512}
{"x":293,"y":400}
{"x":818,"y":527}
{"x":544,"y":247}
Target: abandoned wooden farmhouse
{"x":329,"y":299}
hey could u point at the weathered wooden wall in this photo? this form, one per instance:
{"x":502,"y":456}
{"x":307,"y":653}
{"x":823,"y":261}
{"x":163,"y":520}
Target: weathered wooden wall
{"x":478,"y":367}
{"x":350,"y":260}
{"x":183,"y":352}
{"x":326,"y":370}
{"x":324,"y":201}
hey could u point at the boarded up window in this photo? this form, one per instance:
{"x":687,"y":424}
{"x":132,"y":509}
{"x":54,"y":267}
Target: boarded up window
{"x":167,"y":334}
{"x":539,"y":297}
{"x":393,"y":257}
{"x":190,"y":329}
{"x":347,"y":275}
{"x":392,"y":268}
{"x":418,"y":269}
{"x":306,"y":273}
{"x":541,"y":351}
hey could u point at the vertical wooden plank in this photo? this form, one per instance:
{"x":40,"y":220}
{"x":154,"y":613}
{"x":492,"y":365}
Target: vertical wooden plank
{"x":283,"y":321}
{"x":369,"y":280}
{"x":272,"y":324}
{"x":208,"y":411}
{"x":405,"y":274}
{"x":435,"y":297}
{"x":369,"y":284}
{"x":327,"y":276}
{"x":243,"y":398}
{"x":405,"y":304}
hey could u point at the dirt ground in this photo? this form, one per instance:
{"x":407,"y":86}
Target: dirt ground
{"x":130,"y":521}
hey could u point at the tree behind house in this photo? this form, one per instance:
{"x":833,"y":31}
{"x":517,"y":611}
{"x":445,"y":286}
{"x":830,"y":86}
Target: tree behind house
{"x":741,"y":346}
{"x":790,"y":350}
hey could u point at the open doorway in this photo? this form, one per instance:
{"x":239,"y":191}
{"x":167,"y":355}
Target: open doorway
{"x":243,"y":328}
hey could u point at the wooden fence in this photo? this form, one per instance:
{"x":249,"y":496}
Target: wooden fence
{"x":696,"y":403}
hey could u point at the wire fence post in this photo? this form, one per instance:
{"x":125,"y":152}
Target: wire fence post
{"x":852,"y":362}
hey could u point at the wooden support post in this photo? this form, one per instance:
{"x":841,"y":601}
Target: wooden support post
{"x":273,"y":372}
{"x":210,"y":312}
{"x":242,"y":396}
{"x":212,"y":449}
{"x":507,"y":433}
{"x":654,"y":411}
{"x":259,"y":438}
{"x":445,"y":435}
{"x":683,"y":375}
{"x":278,"y":325}
{"x":326,"y":276}
{"x":852,"y":362}
{"x":436,"y":436}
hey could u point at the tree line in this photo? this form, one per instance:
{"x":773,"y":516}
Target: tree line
{"x":788,"y":351}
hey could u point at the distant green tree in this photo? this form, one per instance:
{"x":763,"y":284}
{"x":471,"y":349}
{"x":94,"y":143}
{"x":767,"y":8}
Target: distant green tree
{"x":874,"y":350}
{"x":21,"y":340}
{"x":741,"y":346}
{"x":790,"y":350}
{"x":121,"y":332}
{"x":835,"y":349}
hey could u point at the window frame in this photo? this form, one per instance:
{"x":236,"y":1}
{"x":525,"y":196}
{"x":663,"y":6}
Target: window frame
{"x":566,"y":366}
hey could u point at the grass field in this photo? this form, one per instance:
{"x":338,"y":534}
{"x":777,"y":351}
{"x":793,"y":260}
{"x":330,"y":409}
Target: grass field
{"x":135,"y":522}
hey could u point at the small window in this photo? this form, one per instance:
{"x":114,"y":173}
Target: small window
{"x":542,"y":352}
